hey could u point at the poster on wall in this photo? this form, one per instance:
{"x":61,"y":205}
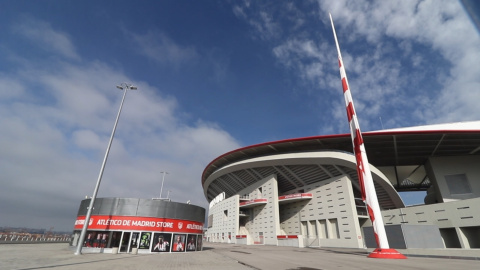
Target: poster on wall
{"x":191,"y":242}
{"x":103,"y":242}
{"x":179,"y":243}
{"x":161,"y":242}
{"x":89,"y":239}
{"x":145,"y":239}
{"x":134,"y":240}
{"x":95,"y":239}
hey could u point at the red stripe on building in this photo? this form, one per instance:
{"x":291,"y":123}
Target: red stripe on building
{"x":253,"y":201}
{"x":287,"y":236}
{"x":123,"y":223}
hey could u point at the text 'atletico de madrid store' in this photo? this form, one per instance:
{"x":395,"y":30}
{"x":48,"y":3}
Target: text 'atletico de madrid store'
{"x":140,"y":225}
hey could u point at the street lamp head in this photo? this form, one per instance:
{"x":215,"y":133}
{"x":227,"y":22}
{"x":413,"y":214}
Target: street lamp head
{"x":126,"y":86}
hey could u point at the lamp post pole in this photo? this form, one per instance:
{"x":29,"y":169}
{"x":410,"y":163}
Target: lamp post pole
{"x":163,"y":180}
{"x":124,"y":87}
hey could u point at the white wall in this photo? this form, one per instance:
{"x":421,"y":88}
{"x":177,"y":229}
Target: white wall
{"x":263,"y":219}
{"x":456,"y":220}
{"x":329,"y":219}
{"x":440,"y":167}
{"x":224,"y":222}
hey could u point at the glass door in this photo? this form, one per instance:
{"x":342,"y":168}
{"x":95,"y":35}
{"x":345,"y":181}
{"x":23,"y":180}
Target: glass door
{"x":124,"y":242}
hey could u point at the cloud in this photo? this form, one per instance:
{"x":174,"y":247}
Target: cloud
{"x":87,"y":139}
{"x":263,"y":22}
{"x":304,"y":57}
{"x":42,"y":34}
{"x":416,"y":67}
{"x":57,"y":117}
{"x":159,"y":47}
{"x":444,"y":28}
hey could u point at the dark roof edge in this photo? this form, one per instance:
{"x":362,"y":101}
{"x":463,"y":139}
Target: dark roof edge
{"x":319,"y":137}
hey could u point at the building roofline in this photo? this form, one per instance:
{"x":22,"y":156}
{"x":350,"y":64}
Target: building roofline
{"x":452,"y":128}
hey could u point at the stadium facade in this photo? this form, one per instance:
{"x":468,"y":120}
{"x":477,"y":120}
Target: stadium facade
{"x":132,"y":225}
{"x":304,"y":192}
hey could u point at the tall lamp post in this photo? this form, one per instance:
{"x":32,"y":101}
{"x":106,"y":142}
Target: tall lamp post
{"x":163,"y":180}
{"x":124,"y":87}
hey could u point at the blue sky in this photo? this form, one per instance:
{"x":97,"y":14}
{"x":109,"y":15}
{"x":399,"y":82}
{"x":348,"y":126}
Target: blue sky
{"x":212,"y":76}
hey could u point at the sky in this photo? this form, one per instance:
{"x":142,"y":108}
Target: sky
{"x":212,"y":76}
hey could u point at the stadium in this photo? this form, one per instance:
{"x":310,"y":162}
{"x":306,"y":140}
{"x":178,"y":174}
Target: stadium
{"x":304,"y":192}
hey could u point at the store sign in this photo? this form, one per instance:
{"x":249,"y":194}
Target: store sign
{"x":139,"y":224}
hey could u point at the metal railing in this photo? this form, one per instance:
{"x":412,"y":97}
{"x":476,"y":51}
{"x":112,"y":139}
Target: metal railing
{"x":245,"y":197}
{"x":361,"y":207}
{"x":8,"y":239}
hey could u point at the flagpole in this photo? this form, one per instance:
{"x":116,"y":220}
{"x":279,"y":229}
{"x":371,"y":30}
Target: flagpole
{"x":369,"y":196}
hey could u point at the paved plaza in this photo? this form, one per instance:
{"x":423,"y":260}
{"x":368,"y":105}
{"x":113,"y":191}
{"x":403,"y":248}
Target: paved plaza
{"x":215,"y":256}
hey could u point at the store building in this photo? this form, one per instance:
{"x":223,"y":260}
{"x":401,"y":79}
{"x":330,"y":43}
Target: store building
{"x":304,"y":192}
{"x":131,"y":225}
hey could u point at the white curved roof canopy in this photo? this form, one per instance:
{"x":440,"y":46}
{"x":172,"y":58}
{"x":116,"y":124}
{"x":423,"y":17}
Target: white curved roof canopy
{"x":294,"y":171}
{"x":402,"y":153}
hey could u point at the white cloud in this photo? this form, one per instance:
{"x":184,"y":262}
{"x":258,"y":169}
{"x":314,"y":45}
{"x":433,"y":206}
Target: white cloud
{"x":305,"y":58}
{"x":10,"y":89}
{"x":162,"y":49}
{"x":87,"y":139}
{"x":263,"y":22}
{"x":42,"y":33}
{"x":444,"y":27}
{"x":418,"y":65}
{"x":55,"y":129}
{"x":239,"y":12}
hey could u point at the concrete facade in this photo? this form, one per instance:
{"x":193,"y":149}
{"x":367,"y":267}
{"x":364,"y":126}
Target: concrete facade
{"x":305,"y":192}
{"x":225,"y":220}
{"x":327,"y":213}
{"x":457,"y":221}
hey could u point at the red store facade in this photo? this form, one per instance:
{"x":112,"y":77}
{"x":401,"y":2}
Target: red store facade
{"x":130,"y":225}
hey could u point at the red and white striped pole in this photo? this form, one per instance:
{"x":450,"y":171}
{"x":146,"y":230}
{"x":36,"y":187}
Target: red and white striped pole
{"x":369,"y":196}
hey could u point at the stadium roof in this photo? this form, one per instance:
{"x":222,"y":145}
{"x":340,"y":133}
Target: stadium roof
{"x":395,"y":147}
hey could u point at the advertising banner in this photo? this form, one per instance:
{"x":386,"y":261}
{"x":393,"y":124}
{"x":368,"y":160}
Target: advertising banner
{"x":140,"y":224}
{"x":162,"y":242}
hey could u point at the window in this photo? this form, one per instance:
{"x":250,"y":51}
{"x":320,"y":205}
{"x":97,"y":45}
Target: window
{"x":225,"y":216}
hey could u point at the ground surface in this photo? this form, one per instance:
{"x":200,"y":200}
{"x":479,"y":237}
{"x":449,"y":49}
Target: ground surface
{"x":215,"y":256}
